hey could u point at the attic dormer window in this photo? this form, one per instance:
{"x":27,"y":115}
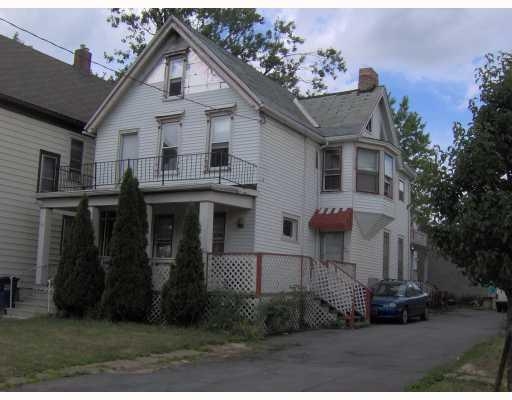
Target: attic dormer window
{"x":175,"y":75}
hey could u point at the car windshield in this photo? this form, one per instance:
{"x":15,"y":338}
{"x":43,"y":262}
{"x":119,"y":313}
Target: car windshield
{"x":393,"y":289}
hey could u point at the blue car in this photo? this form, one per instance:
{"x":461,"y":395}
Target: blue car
{"x":398,"y":300}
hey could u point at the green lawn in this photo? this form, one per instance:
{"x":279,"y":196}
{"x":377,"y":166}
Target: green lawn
{"x":474,"y":371}
{"x":38,"y":345}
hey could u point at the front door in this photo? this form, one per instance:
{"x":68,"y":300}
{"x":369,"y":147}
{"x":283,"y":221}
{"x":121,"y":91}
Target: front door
{"x":219,"y":232}
{"x":331,"y":246}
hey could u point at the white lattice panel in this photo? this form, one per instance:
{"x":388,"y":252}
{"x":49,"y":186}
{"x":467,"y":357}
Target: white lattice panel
{"x":232,"y":272}
{"x":160,"y":274}
{"x":280,"y":273}
{"x":360,"y":299}
{"x":155,"y":313}
{"x":316,"y":315}
{"x":332,"y":287}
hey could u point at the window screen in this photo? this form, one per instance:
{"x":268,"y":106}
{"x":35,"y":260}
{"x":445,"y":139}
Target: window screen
{"x":388,"y":176}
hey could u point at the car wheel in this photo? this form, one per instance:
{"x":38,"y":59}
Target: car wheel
{"x":404,"y":316}
{"x":425,"y":316}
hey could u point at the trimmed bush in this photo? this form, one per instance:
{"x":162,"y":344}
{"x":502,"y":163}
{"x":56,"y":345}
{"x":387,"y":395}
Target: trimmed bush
{"x":224,"y":309}
{"x":80,"y":280}
{"x":184,"y":294}
{"x":128,"y":291}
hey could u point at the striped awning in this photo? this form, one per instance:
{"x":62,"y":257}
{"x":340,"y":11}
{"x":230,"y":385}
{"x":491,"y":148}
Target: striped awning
{"x":332,"y":219}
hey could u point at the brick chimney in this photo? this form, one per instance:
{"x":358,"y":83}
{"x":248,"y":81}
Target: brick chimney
{"x":82,"y":59}
{"x":368,"y":79}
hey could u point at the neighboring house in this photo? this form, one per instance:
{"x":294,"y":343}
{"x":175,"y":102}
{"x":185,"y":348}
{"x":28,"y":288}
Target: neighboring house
{"x":44,"y":105}
{"x":320,"y":176}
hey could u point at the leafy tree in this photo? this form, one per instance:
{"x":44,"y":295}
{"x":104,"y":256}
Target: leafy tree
{"x":79,"y":282}
{"x":418,"y":154}
{"x":472,"y":192}
{"x":274,"y":51}
{"x":128,"y":292}
{"x":184,"y":294}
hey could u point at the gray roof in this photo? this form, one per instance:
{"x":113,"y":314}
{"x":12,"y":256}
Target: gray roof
{"x":36,"y":79}
{"x":267,"y":90}
{"x":342,"y":113}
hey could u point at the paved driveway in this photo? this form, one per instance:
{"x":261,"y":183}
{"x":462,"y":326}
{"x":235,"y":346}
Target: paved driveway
{"x":383,"y":357}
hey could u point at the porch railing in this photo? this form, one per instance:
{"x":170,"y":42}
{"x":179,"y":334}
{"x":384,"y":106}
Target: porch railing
{"x":186,"y":168}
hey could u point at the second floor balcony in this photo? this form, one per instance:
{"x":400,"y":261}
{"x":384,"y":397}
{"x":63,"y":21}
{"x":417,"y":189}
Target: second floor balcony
{"x":221,"y":168}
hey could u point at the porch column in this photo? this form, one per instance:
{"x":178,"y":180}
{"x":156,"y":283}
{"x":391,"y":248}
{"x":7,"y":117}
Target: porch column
{"x":95,"y":220}
{"x":43,"y":245}
{"x":206,"y":221}
{"x":149,"y":237}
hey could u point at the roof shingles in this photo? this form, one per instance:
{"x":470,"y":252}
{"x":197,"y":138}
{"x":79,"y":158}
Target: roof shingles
{"x":35,"y":78}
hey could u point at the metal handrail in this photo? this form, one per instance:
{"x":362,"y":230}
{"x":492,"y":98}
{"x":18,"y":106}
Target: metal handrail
{"x":214,"y":167}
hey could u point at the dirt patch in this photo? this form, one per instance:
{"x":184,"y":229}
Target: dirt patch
{"x":470,"y":372}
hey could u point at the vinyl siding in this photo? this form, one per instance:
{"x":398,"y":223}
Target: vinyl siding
{"x":22,"y":138}
{"x":288,"y":184}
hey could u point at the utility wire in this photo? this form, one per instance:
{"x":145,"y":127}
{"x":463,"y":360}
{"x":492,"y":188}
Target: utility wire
{"x":114,"y":70}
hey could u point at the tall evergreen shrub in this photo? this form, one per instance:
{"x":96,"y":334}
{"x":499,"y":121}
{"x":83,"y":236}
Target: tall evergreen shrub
{"x":80,"y":279}
{"x":184,"y":294}
{"x":128,"y":292}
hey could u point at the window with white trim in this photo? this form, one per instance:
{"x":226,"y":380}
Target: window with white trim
{"x":401,"y":190}
{"x":175,"y":76}
{"x":367,"y":171}
{"x":290,"y":228}
{"x":388,"y":176}
{"x":169,"y":145}
{"x":220,"y":136}
{"x":332,"y":169}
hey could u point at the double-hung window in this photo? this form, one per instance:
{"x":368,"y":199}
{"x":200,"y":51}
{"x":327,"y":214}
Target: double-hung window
{"x":220,"y":136}
{"x":332,"y":169}
{"x":367,"y":173}
{"x":388,"y":176}
{"x":175,"y":75}
{"x":169,"y":145}
{"x":162,"y":236}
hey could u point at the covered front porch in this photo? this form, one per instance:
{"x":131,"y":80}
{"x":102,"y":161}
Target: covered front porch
{"x":225,"y":214}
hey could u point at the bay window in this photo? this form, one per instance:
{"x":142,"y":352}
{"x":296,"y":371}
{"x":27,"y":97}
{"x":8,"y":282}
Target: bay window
{"x":220,"y":136}
{"x":332,"y":169}
{"x":388,"y":176}
{"x":367,"y":171}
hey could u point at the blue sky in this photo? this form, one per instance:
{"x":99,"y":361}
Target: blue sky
{"x":428,"y":55}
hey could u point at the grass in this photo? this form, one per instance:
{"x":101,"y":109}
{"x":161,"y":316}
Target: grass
{"x":474,"y":371}
{"x":33,"y":346}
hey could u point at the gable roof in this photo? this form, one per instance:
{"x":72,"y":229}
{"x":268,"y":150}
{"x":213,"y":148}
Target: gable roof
{"x":265,"y":94}
{"x":36,"y":81}
{"x":343,"y":113}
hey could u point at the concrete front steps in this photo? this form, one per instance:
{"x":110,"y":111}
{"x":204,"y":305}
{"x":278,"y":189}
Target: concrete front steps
{"x":33,"y":302}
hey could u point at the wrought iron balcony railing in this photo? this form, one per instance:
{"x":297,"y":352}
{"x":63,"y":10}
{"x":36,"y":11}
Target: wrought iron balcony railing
{"x":187,"y":168}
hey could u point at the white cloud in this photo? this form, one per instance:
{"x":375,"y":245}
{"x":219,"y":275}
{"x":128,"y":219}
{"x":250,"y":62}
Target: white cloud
{"x":423,"y":45}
